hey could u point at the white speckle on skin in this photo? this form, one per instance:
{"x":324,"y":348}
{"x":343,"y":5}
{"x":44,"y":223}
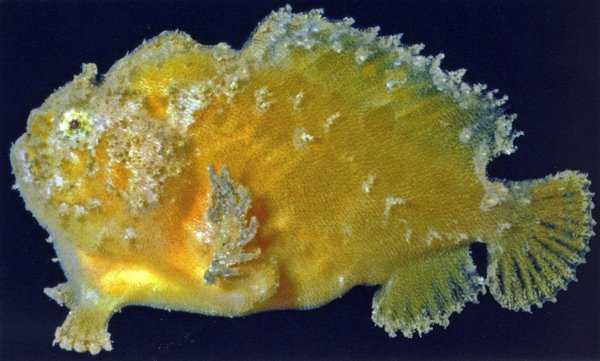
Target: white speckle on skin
{"x":25,"y":167}
{"x":89,"y":297}
{"x":151,"y":197}
{"x":408,"y":235}
{"x":329,"y":121}
{"x":73,"y":157}
{"x":63,"y":208}
{"x":391,"y":85}
{"x":197,"y":97}
{"x":59,"y":181}
{"x":431,"y":236}
{"x":204,"y":234}
{"x":48,"y":190}
{"x":465,"y":135}
{"x":336,"y":45}
{"x":366,"y":186}
{"x":132,"y":107}
{"x":305,"y":137}
{"x":362,"y":55}
{"x":297,"y":100}
{"x":301,"y":138}
{"x":504,"y":226}
{"x":346,"y":229}
{"x":130,"y":234}
{"x":261,"y":96}
{"x":495,"y":192}
{"x":525,"y":201}
{"x":391,"y":202}
{"x":79,"y":210}
{"x":94,"y":203}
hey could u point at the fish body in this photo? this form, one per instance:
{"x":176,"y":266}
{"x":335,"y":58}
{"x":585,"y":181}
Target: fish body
{"x":316,"y":158}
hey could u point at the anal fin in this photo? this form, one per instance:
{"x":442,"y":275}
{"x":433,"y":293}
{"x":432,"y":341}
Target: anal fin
{"x":425,"y":292}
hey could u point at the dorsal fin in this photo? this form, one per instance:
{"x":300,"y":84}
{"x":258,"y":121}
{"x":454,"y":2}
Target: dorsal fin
{"x":163,"y":46}
{"x":390,"y":74}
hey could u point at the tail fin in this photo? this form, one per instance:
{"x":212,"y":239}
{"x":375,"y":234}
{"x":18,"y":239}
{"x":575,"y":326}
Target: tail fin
{"x":545,"y":237}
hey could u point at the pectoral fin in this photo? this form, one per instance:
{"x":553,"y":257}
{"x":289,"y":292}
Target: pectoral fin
{"x":86,"y":327}
{"x":228,"y":215}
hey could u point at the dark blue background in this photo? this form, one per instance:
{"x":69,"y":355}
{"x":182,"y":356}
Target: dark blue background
{"x":544,"y":54}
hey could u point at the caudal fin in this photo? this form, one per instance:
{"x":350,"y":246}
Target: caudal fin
{"x":543,"y":237}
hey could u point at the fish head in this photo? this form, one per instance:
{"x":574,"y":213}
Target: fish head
{"x":51,"y":159}
{"x":90,"y":155}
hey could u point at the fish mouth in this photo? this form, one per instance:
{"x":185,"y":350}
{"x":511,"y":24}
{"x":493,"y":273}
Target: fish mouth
{"x":21,"y":167}
{"x":16,"y":155}
{"x":25,"y":181}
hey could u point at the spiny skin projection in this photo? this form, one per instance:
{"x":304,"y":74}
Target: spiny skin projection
{"x":316,"y":158}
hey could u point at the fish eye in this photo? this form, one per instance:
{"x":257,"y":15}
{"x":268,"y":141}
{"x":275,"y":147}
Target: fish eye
{"x":75,"y":124}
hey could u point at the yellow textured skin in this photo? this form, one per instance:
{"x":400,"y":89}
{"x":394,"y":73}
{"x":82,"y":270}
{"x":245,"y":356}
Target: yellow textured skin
{"x":364,"y":163}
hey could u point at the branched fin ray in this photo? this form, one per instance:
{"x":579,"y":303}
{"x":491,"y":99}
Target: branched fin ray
{"x":227,"y":215}
{"x":426,"y":292}
{"x":551,"y":224}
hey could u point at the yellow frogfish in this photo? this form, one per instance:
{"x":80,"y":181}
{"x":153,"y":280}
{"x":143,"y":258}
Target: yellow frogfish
{"x":316,"y":158}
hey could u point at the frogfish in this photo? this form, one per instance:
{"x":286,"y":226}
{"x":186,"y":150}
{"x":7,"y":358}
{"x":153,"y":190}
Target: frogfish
{"x":316,"y":158}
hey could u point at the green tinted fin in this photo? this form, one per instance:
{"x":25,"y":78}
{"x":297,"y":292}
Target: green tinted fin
{"x":546,"y":227}
{"x":426,"y":292}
